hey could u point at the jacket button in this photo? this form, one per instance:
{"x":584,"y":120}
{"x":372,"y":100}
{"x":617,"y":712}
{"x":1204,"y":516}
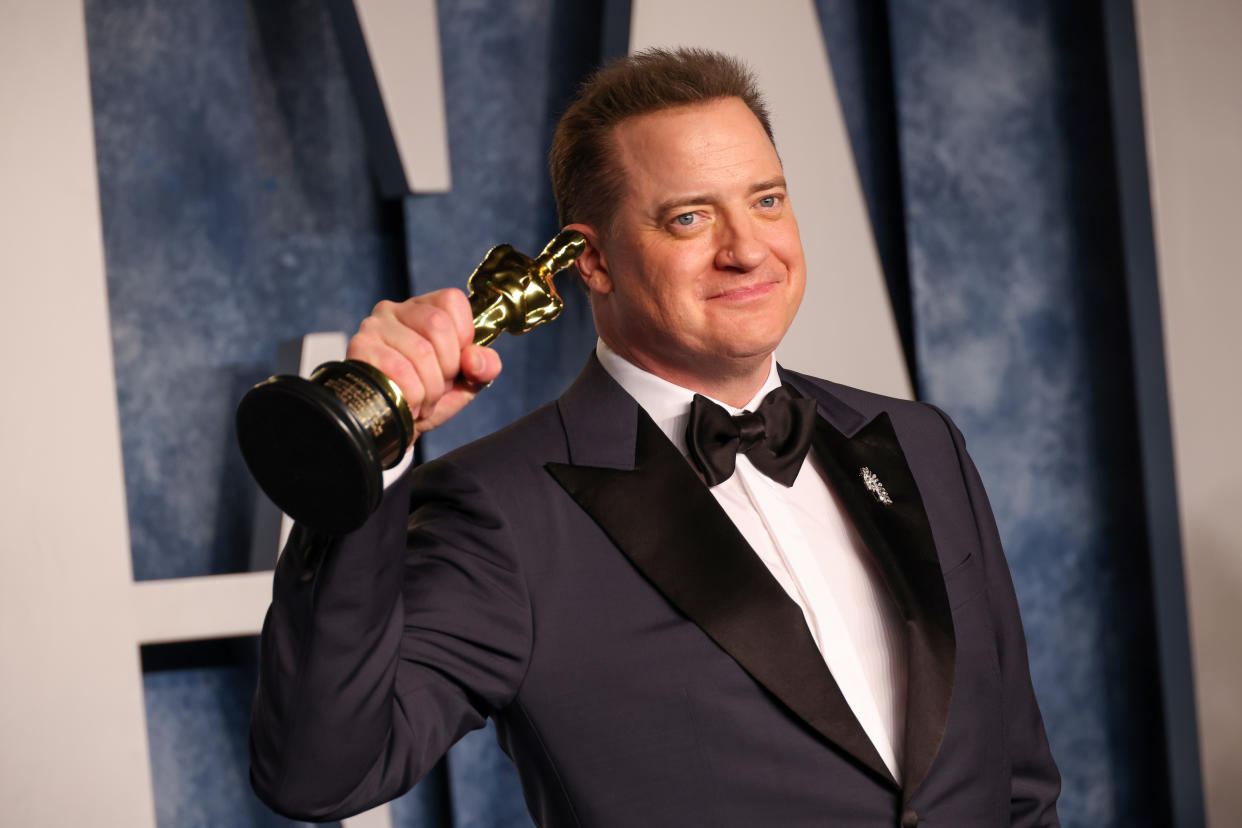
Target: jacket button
{"x":909,"y":819}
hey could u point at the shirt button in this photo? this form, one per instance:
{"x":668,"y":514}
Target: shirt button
{"x":909,"y":819}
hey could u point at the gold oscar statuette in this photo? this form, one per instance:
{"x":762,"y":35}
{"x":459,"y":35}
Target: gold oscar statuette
{"x":318,"y":446}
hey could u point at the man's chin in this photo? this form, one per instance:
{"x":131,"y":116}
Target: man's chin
{"x":743,"y":345}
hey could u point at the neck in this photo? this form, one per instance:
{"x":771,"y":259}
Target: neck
{"x":734,"y":382}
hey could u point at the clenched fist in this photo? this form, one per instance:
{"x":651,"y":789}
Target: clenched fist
{"x":425,"y":345}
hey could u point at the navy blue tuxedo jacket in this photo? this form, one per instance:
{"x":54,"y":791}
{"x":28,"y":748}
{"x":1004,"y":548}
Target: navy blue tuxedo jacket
{"x":571,"y":577}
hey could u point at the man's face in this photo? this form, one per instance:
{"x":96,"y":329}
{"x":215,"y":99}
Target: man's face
{"x":701,"y":270}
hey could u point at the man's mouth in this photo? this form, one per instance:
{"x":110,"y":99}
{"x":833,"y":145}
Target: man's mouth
{"x":739,"y":293}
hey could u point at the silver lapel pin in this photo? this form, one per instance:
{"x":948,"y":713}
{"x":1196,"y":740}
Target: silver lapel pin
{"x":874,"y":486}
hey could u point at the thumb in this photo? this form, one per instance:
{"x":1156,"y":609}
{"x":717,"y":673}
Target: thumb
{"x":479,"y":365}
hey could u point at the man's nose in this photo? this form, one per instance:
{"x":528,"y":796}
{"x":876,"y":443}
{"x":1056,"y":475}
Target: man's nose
{"x":740,"y":247}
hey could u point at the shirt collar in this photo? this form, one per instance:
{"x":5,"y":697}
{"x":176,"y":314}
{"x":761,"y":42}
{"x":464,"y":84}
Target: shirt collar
{"x":666,"y":403}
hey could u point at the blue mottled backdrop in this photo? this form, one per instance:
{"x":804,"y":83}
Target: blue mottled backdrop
{"x":238,"y":213}
{"x":1017,"y":277}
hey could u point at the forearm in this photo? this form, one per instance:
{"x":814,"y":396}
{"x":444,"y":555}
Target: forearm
{"x":324,"y":708}
{"x":383,"y":648}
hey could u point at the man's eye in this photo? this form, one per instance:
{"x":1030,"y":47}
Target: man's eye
{"x":768,"y":201}
{"x":685,"y":219}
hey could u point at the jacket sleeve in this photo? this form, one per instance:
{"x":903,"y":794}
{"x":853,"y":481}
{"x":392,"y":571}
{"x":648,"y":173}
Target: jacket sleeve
{"x":383,"y":647}
{"x":1035,"y":781}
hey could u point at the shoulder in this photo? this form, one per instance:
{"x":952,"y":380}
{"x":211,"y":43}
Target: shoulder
{"x":867,"y":403}
{"x":910,"y":418}
{"x":536,"y":437}
{"x":506,"y":467}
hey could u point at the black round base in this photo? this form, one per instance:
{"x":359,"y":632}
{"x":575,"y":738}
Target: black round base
{"x":309,"y":454}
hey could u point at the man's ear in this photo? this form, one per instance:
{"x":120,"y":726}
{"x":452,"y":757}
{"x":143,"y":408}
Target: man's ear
{"x":592,"y":264}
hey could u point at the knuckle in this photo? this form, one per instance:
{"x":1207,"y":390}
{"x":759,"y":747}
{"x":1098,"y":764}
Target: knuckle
{"x":421,"y":349}
{"x":458,"y":303}
{"x":368,"y":327}
{"x":438,"y":322}
{"x":446,"y":298}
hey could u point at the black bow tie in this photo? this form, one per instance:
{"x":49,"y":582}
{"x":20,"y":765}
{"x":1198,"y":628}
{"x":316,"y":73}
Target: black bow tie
{"x":775,"y":437}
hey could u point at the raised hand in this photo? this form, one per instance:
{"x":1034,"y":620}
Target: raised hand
{"x":425,"y":345}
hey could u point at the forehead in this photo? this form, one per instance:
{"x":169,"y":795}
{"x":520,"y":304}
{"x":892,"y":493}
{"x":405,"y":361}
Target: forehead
{"x":706,"y":146}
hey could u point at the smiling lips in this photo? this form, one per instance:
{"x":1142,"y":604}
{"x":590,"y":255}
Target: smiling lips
{"x":741,"y":292}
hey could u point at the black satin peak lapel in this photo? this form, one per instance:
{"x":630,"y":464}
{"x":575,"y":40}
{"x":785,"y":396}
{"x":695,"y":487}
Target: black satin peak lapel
{"x":899,"y":537}
{"x":698,"y":560}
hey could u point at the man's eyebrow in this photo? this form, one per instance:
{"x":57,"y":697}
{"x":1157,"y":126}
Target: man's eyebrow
{"x":710,"y":198}
{"x":770,"y":184}
{"x":682,"y":201}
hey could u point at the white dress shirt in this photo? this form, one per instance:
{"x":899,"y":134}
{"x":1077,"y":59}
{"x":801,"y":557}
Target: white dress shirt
{"x":803,"y":536}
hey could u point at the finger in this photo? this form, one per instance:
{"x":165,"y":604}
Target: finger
{"x":382,"y":341}
{"x":425,"y":335}
{"x":480,"y":365}
{"x":419,"y":320}
{"x":476,"y":376}
{"x":367,"y":346}
{"x":427,"y":365}
{"x":454,"y":302}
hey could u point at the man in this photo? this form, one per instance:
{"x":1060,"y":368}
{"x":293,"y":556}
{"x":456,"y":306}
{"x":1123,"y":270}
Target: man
{"x":763,"y":635}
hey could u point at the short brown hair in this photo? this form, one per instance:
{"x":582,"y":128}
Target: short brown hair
{"x":585,"y":178}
